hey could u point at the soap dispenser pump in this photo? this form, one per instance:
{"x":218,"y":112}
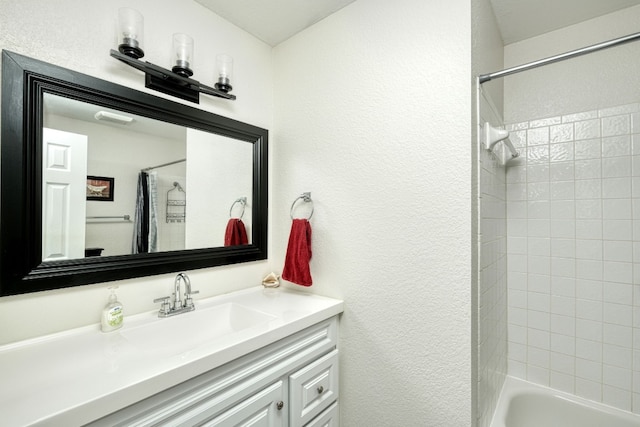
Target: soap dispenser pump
{"x":112,"y":315}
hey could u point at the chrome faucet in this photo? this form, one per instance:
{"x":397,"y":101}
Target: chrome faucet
{"x":166,"y":309}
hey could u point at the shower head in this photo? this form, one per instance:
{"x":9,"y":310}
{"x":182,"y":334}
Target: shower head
{"x":494,"y":135}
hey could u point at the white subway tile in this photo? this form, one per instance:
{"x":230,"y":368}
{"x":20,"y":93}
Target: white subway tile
{"x":588,"y":189}
{"x":537,"y":154}
{"x":540,"y":283}
{"x":539,"y":339}
{"x":613,"y":167}
{"x":589,"y":310}
{"x":538,"y":209}
{"x":517,"y":227}
{"x":587,"y":389}
{"x":589,"y":249}
{"x":635,"y":165}
{"x":517,"y":209}
{"x":577,"y":117}
{"x":619,"y":272}
{"x":517,"y":369}
{"x":561,"y":152}
{"x":539,"y":228}
{"x":565,"y":171}
{"x":617,"y":229}
{"x":538,"y":375}
{"x":563,"y":305}
{"x":563,"y":286}
{"x":517,"y":317}
{"x":539,"y":173}
{"x":563,"y":267}
{"x":517,"y":191}
{"x":564,"y":326}
{"x":618,"y":110}
{"x":589,"y":350}
{"x":517,"y":299}
{"x":517,"y":334}
{"x":563,"y":228}
{"x":588,"y":369}
{"x":588,"y":229}
{"x":538,"y":320}
{"x":617,"y":356}
{"x":538,"y":357}
{"x":616,"y":188}
{"x":538,"y":191}
{"x":618,"y":335}
{"x":618,"y":314}
{"x":516,"y":174}
{"x":539,"y":246}
{"x":635,"y":123}
{"x":619,"y":293}
{"x":589,"y":329}
{"x":517,"y":280}
{"x":587,"y":129}
{"x":589,"y":209}
{"x":545,"y":122}
{"x":588,"y":169}
{"x":563,"y":344}
{"x":564,"y":248}
{"x":563,"y":382}
{"x":588,"y":149}
{"x":615,"y":250}
{"x":614,"y":146}
{"x":616,"y":397}
{"x":562,"y":190}
{"x":538,"y":302}
{"x":561,"y":133}
{"x":616,"y":125}
{"x":518,"y":352}
{"x":589,"y":289}
{"x":615,"y":376}
{"x":538,"y":136}
{"x":617,"y":209}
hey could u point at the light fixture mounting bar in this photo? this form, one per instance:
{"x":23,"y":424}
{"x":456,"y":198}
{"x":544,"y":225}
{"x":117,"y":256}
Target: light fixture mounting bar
{"x":168,"y":82}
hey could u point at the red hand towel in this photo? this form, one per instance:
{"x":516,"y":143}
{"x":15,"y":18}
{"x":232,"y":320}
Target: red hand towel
{"x":235,"y":234}
{"x":296,"y":263}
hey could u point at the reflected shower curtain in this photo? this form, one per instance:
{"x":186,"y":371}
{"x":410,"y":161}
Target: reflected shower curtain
{"x":145,"y":226}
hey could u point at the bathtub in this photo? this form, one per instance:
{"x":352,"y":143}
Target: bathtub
{"x":523,"y":404}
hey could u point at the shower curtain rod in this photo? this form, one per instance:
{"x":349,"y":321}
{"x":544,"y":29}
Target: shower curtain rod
{"x":163,"y":165}
{"x":567,"y":55}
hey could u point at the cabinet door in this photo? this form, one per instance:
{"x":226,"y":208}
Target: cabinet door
{"x":313,"y":388}
{"x":329,"y":418}
{"x":263,"y":409}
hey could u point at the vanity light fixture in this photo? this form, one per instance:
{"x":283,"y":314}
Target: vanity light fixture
{"x":177,"y":81}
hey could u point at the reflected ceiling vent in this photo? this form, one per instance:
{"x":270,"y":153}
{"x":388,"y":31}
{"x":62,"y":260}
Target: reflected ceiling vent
{"x":106,"y":116}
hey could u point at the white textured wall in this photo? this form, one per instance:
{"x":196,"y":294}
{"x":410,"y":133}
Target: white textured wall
{"x":590,"y":82}
{"x":78,"y":34}
{"x":574,"y":214}
{"x":372,"y":117}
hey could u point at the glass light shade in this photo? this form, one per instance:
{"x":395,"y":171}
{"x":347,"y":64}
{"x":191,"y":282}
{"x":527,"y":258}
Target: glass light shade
{"x":224,"y":65}
{"x":130,"y":32}
{"x":182,"y":54}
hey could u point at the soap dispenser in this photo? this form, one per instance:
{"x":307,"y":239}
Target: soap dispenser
{"x":112,"y":315}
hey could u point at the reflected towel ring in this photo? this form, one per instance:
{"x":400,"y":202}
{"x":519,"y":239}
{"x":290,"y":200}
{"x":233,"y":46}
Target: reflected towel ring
{"x":306,"y":197}
{"x":243,"y":202}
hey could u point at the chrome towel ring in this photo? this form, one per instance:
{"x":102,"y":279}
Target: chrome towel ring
{"x":243,"y":202}
{"x":306,"y":198}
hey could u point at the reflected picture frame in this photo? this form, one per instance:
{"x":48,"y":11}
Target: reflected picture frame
{"x":100,"y":188}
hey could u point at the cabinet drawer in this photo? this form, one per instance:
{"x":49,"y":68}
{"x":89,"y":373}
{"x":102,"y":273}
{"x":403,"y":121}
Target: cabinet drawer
{"x":262,"y":409}
{"x":313,"y":388}
{"x":329,"y":418}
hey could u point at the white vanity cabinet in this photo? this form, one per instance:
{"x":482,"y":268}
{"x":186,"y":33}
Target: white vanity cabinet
{"x":291,"y":382}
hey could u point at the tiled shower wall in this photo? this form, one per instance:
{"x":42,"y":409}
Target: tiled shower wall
{"x":492,"y":304}
{"x":573,"y":243}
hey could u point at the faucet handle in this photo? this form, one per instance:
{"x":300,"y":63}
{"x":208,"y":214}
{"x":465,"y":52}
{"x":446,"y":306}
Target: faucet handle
{"x":165,"y":308}
{"x":188,"y":301}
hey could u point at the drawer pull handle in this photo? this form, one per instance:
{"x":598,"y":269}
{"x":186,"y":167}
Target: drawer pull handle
{"x":280,"y":405}
{"x":320,"y":390}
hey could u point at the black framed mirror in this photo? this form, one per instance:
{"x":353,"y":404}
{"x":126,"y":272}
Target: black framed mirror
{"x":29,"y":88}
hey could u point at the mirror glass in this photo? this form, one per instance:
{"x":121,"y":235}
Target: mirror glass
{"x":100,"y":182}
{"x":98,"y":155}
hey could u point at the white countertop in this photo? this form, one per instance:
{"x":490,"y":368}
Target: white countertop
{"x":77,"y":376}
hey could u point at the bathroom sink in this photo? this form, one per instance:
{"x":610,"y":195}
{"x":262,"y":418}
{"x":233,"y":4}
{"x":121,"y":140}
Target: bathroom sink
{"x":188,"y":331}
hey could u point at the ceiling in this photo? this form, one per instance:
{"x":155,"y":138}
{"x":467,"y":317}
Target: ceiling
{"x":274,"y":21}
{"x":521,"y":19}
